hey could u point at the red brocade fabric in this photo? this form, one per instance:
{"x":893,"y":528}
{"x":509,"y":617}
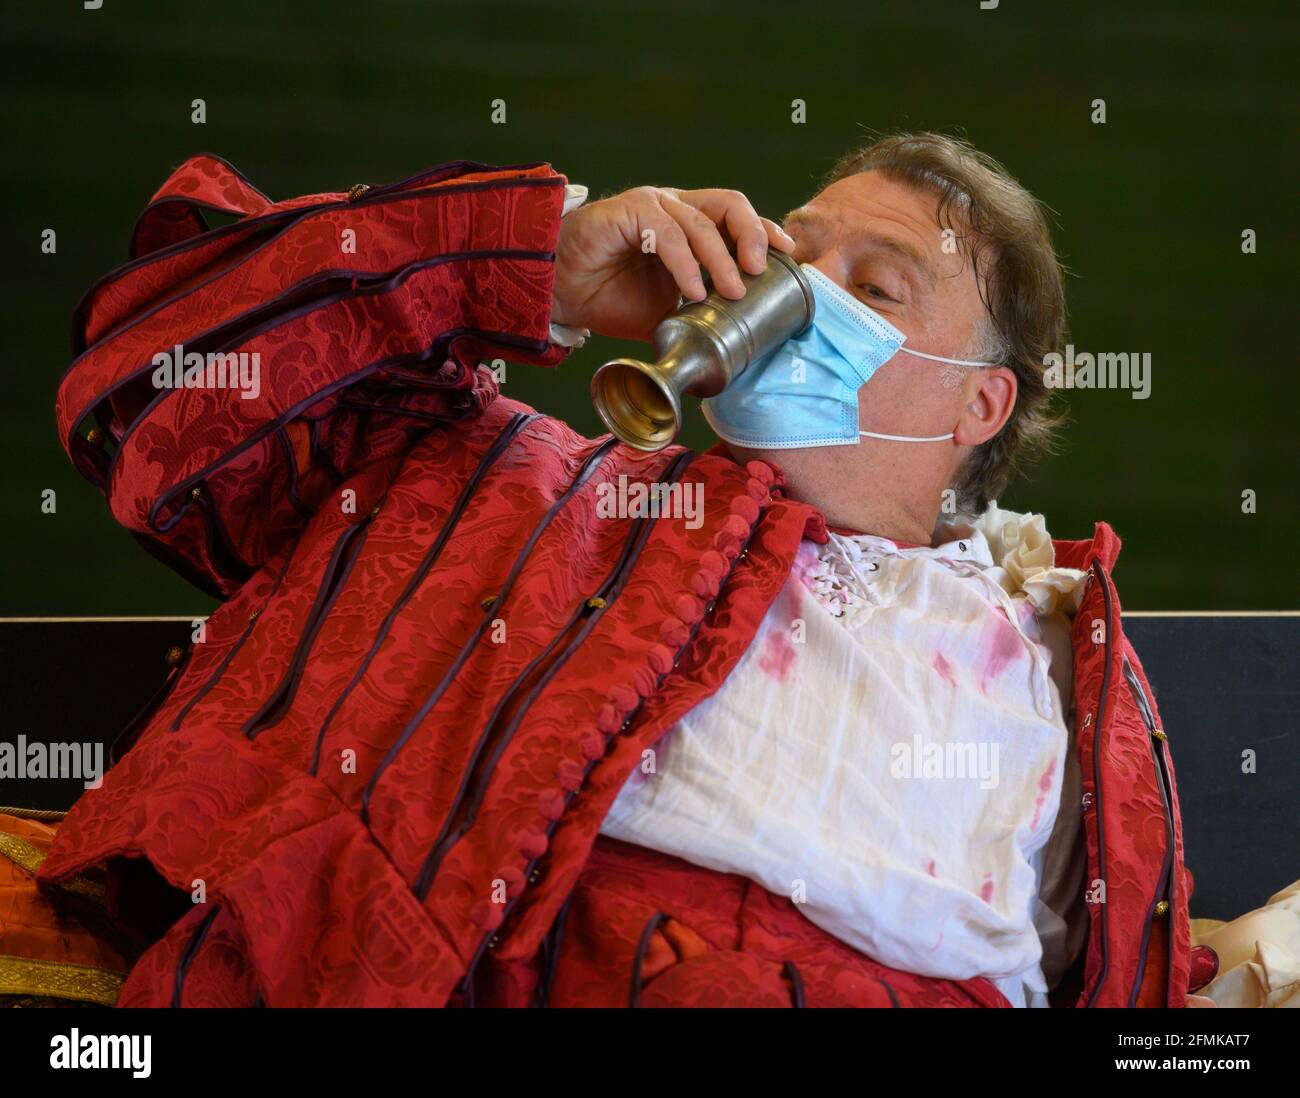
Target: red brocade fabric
{"x":386,"y":765}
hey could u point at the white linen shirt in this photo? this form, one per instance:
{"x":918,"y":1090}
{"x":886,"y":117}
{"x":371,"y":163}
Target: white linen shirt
{"x":890,"y":753}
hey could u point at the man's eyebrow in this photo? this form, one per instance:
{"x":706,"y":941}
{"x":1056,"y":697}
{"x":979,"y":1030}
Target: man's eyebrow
{"x":803,"y":216}
{"x":901,"y":248}
{"x":867,"y":240}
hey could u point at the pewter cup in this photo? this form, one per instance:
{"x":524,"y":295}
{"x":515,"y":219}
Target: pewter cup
{"x":701,"y":349}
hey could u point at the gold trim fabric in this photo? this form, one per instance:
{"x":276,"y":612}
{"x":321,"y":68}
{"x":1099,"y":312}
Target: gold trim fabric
{"x":21,"y":852}
{"x":34,"y":981}
{"x":60,"y":980}
{"x":25,"y":856}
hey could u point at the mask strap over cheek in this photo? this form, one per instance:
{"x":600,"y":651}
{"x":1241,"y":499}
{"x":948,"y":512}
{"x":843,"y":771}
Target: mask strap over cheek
{"x":927,"y":438}
{"x":909,"y":438}
{"x":950,"y":361}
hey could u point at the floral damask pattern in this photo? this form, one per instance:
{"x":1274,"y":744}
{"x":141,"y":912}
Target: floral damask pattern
{"x":390,"y":757}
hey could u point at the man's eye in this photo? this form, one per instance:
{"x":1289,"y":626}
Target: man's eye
{"x":874,"y":292}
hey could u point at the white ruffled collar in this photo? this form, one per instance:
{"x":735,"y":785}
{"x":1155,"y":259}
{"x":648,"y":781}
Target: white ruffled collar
{"x":1013,"y":550}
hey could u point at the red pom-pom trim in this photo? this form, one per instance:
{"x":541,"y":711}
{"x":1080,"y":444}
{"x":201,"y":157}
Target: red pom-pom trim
{"x":532,"y":844}
{"x":513,"y":878}
{"x":624,"y":697}
{"x":674,"y":632}
{"x":705,"y":584}
{"x":745,"y":509}
{"x":688,"y":609}
{"x":713,"y":563}
{"x":487,"y":915}
{"x":661,"y":658}
{"x":569,"y":774}
{"x":608,"y":719}
{"x":645,"y":681}
{"x":727,"y":543}
{"x":736,"y":525}
{"x":551,"y":804}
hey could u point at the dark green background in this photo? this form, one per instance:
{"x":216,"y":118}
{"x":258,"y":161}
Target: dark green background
{"x":1199,"y":144}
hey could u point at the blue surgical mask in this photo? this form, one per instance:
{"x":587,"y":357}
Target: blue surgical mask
{"x":805,"y":393}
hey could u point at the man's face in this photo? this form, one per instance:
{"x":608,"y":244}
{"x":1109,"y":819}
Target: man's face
{"x":881,"y":241}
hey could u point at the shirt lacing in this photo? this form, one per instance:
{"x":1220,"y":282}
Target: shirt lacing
{"x":840,"y":579}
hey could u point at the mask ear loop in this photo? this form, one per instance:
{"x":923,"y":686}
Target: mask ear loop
{"x":940,"y":358}
{"x":908,"y":438}
{"x":926,"y":438}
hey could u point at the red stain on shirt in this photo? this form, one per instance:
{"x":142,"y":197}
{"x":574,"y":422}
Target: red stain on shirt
{"x":804,"y":565}
{"x":942,"y":923}
{"x":1001,"y":645}
{"x":929,"y":868}
{"x":986,"y":889}
{"x":1044,"y":788}
{"x":779,"y":656}
{"x":944,"y":668}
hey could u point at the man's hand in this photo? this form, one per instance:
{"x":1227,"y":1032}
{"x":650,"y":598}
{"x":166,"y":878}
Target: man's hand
{"x":622,"y":264}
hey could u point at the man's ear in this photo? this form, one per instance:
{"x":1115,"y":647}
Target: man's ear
{"x":990,"y":398}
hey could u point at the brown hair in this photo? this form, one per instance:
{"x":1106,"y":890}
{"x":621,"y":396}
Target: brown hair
{"x":1020,"y":280}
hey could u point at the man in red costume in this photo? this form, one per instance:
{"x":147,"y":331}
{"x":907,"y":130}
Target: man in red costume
{"x":382,"y":776}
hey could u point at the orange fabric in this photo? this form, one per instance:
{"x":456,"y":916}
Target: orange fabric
{"x":670,"y":944}
{"x":31,"y":929}
{"x":489,"y":175}
{"x":659,"y":957}
{"x":685,"y":942}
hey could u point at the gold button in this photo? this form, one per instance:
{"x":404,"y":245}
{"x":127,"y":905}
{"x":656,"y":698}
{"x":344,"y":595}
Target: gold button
{"x":376,"y":510}
{"x":596,"y":603}
{"x":253,"y":616}
{"x":94,"y":436}
{"x":175,"y":654}
{"x":1158,"y":734}
{"x":196,"y":492}
{"x":488,"y":601}
{"x":357,"y":190}
{"x":1162,"y":908}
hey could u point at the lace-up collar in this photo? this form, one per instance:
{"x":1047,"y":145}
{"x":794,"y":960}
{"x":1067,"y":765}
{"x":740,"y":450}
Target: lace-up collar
{"x":842,"y":575}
